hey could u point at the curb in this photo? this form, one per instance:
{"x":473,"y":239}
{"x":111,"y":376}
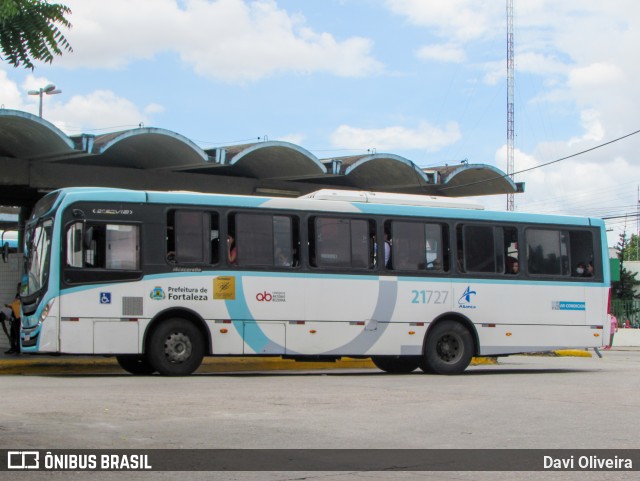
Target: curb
{"x":573,"y":353}
{"x":101,"y":365}
{"x":559,"y":353}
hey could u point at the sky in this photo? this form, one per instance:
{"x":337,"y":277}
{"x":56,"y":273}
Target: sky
{"x":424,"y":79}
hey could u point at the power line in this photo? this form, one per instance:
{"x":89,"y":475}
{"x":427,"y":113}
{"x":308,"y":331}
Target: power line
{"x":545,"y":164}
{"x":634,"y":216}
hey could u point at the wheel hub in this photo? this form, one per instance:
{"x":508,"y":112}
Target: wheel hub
{"x":177,"y":347}
{"x":448,"y":348}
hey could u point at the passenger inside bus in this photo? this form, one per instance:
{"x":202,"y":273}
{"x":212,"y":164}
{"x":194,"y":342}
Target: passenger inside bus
{"x":387,"y":251}
{"x":232,"y":252}
{"x":513,"y":267}
{"x":585,"y":270}
{"x":281,"y":259}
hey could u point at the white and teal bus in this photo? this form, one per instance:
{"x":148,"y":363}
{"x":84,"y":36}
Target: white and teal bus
{"x":162,"y":279}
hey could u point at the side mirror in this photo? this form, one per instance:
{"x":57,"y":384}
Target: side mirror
{"x":5,"y":252}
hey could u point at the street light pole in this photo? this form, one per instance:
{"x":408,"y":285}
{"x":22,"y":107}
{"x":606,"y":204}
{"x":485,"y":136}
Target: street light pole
{"x":47,"y":89}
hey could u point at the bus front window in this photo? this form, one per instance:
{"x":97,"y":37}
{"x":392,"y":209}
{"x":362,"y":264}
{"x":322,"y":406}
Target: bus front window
{"x":38,"y":255}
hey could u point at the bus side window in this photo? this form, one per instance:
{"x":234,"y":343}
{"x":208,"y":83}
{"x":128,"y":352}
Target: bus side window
{"x":74,"y":245}
{"x":512,"y":263}
{"x":265,"y":240}
{"x":408,"y":250}
{"x":214,"y":238}
{"x":192,"y":237}
{"x":332,"y":246}
{"x":418,"y":246}
{"x":547,"y":252}
{"x":285,"y":237}
{"x":436,"y":248}
{"x":582,"y":254}
{"x":341,"y":242}
{"x":478,"y":244}
{"x":98,"y":251}
{"x":459,"y":250}
{"x":122,"y":249}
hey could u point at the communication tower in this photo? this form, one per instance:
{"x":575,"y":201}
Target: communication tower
{"x":510,"y":100}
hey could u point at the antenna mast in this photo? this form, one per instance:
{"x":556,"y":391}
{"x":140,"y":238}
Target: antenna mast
{"x":510,"y":100}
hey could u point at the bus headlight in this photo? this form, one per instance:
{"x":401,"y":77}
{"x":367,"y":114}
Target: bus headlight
{"x":45,"y":311}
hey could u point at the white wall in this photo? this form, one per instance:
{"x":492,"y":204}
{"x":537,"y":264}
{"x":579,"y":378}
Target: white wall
{"x":626,"y":338}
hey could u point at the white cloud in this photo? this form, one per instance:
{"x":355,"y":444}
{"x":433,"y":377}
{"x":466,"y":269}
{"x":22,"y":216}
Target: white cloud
{"x":599,"y":74}
{"x":442,"y":53}
{"x":582,"y":52}
{"x":593,"y":128}
{"x":153,"y":109}
{"x":14,"y":96}
{"x":99,"y":109}
{"x":539,"y":63}
{"x":292,"y":138}
{"x":9,"y":93}
{"x":396,"y":138}
{"x":463,"y":20}
{"x":231,"y":40}
{"x":598,"y":183}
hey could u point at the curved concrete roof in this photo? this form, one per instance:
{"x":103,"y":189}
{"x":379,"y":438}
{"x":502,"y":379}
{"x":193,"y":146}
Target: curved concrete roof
{"x":473,"y":179}
{"x":26,"y":136}
{"x":145,"y":148}
{"x":35,"y":156}
{"x":270,"y":160}
{"x":380,"y":172}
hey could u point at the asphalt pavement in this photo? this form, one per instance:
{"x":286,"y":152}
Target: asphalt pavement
{"x":66,"y":364}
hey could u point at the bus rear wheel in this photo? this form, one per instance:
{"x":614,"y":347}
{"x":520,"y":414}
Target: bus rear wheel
{"x":176,"y":348}
{"x":396,"y":364}
{"x":135,"y":364}
{"x":448,"y":350}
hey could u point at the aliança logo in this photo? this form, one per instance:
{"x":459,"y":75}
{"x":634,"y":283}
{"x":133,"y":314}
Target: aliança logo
{"x":465,"y":301}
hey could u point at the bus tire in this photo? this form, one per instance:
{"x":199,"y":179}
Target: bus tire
{"x":395,"y":364}
{"x":422,"y":364}
{"x":135,"y":364}
{"x":448,"y":350}
{"x":176,"y":348}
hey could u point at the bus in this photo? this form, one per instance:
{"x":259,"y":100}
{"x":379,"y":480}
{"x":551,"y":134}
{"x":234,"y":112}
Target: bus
{"x":161,"y":279}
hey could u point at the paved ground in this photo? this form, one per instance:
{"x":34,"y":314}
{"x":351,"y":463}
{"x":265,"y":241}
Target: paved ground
{"x":45,"y":364}
{"x":522,"y":402}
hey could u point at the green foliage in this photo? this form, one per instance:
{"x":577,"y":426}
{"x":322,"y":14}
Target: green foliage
{"x":624,"y":288}
{"x":29,"y":31}
{"x":631,"y":249}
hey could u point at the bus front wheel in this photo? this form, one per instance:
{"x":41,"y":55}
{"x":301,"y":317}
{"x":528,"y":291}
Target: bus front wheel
{"x":176,"y":348}
{"x":395,"y":364}
{"x":448,"y":350}
{"x":135,"y":364}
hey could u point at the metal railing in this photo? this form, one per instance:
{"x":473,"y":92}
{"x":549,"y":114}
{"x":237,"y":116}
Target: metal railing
{"x":626,"y":310}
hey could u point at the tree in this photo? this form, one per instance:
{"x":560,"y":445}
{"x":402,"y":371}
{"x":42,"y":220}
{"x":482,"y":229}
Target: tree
{"x":623,"y":289}
{"x":29,"y":31}
{"x":630,"y":252}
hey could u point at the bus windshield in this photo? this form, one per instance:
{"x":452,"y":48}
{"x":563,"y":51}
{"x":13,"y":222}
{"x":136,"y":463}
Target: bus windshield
{"x":37,"y":257}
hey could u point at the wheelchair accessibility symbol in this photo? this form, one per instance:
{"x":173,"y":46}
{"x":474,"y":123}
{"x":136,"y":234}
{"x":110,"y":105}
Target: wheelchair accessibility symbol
{"x":105,"y":298}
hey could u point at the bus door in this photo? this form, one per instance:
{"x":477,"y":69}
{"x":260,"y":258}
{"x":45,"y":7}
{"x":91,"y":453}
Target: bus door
{"x":98,"y":311}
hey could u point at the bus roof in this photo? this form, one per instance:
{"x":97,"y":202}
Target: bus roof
{"x":390,"y":198}
{"x":367,"y":203}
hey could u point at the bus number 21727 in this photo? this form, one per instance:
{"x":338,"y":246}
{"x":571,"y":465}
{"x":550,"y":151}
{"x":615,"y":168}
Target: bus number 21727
{"x":429,"y":297}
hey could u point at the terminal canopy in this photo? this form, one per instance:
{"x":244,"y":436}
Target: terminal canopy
{"x":37,"y":157}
